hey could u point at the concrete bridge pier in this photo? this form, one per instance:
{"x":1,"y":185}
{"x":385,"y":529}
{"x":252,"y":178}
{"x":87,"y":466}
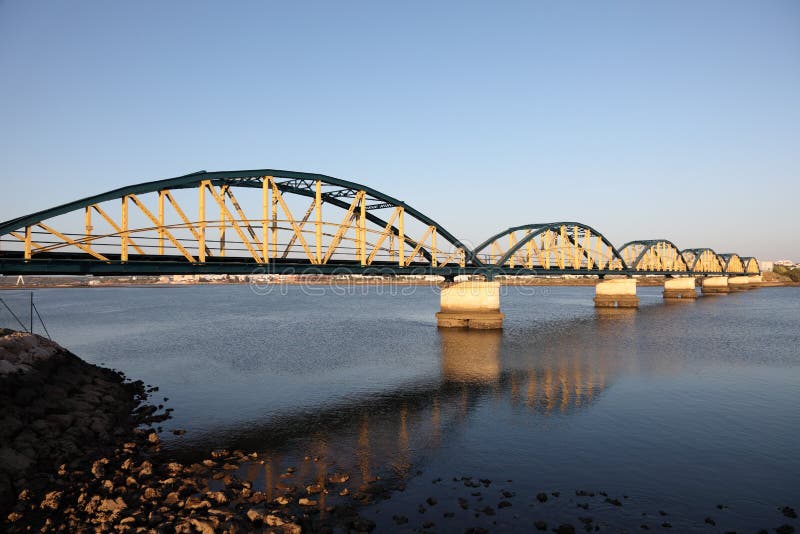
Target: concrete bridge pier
{"x":715,"y":285}
{"x":471,"y":304}
{"x":617,"y":293}
{"x":680,"y":288}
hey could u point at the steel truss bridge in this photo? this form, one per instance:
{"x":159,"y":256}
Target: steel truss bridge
{"x":285,"y":222}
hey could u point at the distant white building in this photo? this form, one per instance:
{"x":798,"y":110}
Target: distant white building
{"x":785,"y":263}
{"x":766,"y":265}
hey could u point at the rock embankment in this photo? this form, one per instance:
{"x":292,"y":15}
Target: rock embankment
{"x":76,"y":455}
{"x":56,"y":409}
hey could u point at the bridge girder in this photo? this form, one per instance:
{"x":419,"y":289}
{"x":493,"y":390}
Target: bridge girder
{"x":403,"y":242}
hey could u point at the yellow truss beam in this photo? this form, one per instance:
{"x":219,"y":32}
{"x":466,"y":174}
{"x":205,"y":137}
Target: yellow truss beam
{"x":200,"y":237}
{"x":387,"y":231}
{"x":115,"y":226}
{"x":318,"y":213}
{"x":419,"y":244}
{"x":277,"y":194}
{"x":67,"y":240}
{"x":343,"y":226}
{"x":169,"y":235}
{"x":242,"y":216}
{"x":302,"y":224}
{"x":22,"y":238}
{"x":225,"y":212}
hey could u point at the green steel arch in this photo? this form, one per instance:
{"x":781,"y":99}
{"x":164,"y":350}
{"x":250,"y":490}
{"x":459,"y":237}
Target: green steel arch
{"x":728,"y":257}
{"x":647,"y":243}
{"x":537,"y":229}
{"x":299,"y":183}
{"x":747,"y":262}
{"x":697,"y":253}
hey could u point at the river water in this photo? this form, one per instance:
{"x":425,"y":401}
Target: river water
{"x":691,"y":409}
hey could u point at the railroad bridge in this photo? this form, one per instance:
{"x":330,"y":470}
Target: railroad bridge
{"x":287,"y":222}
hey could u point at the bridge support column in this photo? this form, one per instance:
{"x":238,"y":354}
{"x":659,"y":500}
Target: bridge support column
{"x":715,"y":285}
{"x":619,"y":293}
{"x":680,"y":288}
{"x":470,"y":305}
{"x":739,"y":283}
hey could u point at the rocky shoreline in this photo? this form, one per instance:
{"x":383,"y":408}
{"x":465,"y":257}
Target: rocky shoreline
{"x":79,"y":453}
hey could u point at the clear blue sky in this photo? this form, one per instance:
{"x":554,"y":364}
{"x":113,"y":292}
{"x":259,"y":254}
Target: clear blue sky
{"x":643,"y":119}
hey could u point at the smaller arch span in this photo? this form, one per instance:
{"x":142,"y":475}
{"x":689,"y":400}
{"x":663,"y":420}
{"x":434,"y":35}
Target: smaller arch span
{"x":751,"y":265}
{"x":733,"y":262}
{"x":653,"y":255}
{"x":556,"y":246}
{"x":703,"y":260}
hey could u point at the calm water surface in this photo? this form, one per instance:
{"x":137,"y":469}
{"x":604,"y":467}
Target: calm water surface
{"x":680,"y":407}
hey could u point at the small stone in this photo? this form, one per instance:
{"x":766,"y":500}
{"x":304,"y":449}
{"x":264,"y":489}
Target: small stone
{"x":431,"y":501}
{"x":566,"y":528}
{"x":666,"y":525}
{"x":540,"y":525}
{"x":504,"y":504}
{"x":338,"y":478}
{"x":710,"y":521}
{"x":541,"y":497}
{"x":785,"y":529}
{"x":789,"y":512}
{"x":217,"y":496}
{"x":204,"y":527}
{"x":615,"y":502}
{"x":306,"y":502}
{"x":314,"y":489}
{"x":195,"y":503}
{"x":255,"y":515}
{"x":51,"y":500}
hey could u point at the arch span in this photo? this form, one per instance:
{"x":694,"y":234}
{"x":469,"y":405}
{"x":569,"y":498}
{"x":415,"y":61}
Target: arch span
{"x":149,"y":223}
{"x":733,"y":262}
{"x":563,"y":246}
{"x":653,"y":255}
{"x":703,"y":260}
{"x":751,"y":265}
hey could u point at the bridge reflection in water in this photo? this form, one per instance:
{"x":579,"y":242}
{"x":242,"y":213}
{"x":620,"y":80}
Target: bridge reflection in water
{"x":394,"y":434}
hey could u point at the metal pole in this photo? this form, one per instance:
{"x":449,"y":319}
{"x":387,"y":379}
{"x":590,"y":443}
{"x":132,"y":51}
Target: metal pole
{"x":31,"y":330}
